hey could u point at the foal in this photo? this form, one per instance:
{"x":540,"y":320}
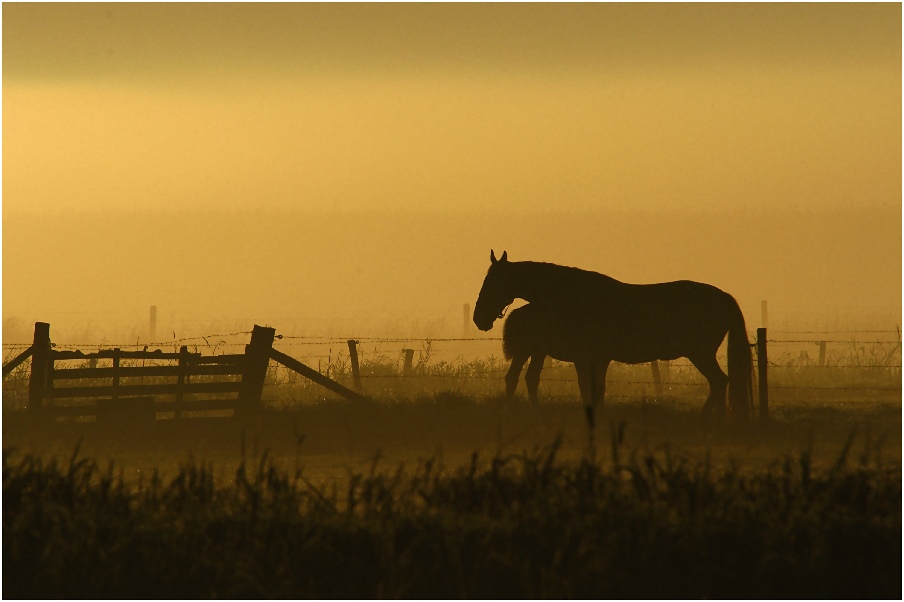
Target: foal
{"x":525,"y":336}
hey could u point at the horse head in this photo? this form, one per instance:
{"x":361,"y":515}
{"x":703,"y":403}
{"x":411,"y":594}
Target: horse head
{"x":495,"y":294}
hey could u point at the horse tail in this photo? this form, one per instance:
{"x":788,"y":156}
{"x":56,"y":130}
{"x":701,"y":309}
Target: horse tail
{"x":740,"y":365}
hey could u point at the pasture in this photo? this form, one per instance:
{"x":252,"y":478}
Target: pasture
{"x":439,"y":488}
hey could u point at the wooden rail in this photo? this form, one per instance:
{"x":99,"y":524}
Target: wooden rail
{"x":315,"y":376}
{"x":147,"y":371}
{"x":15,"y":362}
{"x":117,"y":390}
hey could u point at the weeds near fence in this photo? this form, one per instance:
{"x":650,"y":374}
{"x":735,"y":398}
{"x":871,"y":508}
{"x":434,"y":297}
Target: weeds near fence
{"x":849,"y":370}
{"x":865,"y":370}
{"x":644,"y":525}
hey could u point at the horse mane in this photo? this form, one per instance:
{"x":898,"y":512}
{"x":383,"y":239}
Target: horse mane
{"x":565,"y":271}
{"x":558,"y":279}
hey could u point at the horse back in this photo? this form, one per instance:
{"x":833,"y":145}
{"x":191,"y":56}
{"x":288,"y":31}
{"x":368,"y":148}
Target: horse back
{"x":640,"y":322}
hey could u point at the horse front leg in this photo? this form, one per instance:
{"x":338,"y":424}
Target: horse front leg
{"x":513,"y":374}
{"x":532,"y":378}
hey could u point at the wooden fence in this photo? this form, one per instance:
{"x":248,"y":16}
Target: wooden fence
{"x":182,"y":384}
{"x":198,"y":383}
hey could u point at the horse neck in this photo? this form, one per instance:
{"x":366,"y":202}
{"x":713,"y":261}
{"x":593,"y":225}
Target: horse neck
{"x":539,"y":282}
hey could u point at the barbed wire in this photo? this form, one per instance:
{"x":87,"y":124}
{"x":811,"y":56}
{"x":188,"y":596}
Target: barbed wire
{"x":302,"y":341}
{"x":835,"y":331}
{"x":139,"y":344}
{"x":363,"y":340}
{"x":339,"y":340}
{"x":846,"y":342}
{"x":832,"y":366}
{"x":324,"y":340}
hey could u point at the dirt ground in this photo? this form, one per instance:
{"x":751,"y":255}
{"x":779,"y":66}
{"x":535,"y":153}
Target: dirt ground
{"x":332,"y":439}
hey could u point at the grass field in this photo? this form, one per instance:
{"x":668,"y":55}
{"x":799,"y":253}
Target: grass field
{"x":438,"y":488}
{"x":450,"y":495}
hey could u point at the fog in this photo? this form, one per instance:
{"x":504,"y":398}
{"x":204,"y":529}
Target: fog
{"x":404,"y":273}
{"x":349,"y":167}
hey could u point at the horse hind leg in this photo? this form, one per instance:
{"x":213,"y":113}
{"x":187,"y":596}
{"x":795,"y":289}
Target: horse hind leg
{"x":592,"y":383}
{"x":532,"y":378}
{"x":718,"y":383}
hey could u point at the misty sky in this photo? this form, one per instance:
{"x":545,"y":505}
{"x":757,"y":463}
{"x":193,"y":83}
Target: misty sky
{"x":450,"y":106}
{"x":269,"y":112}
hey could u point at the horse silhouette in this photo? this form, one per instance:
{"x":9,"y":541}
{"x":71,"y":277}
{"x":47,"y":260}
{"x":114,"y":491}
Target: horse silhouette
{"x":591,"y":319}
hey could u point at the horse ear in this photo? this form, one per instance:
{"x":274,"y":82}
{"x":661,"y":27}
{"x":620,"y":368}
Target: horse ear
{"x":493,"y":256}
{"x":504,"y":256}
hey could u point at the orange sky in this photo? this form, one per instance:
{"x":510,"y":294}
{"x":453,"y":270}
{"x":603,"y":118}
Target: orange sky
{"x":453,"y":109}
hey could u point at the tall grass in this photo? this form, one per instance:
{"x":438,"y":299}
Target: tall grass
{"x":853,"y":371}
{"x":863,"y":371}
{"x":525,"y":525}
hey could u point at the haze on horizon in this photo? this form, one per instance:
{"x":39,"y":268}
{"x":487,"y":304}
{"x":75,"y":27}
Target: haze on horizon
{"x":134,"y":133}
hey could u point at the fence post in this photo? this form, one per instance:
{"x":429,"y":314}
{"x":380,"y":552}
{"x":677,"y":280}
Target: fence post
{"x":657,"y":381}
{"x":353,"y":356}
{"x":257,"y":358}
{"x":180,"y":380}
{"x":115,"y":395}
{"x":762,"y":369}
{"x":822,"y":354}
{"x":409,"y":358}
{"x":40,"y":359}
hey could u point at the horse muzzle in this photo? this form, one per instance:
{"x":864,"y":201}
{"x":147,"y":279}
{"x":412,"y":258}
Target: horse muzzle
{"x":483,"y":325}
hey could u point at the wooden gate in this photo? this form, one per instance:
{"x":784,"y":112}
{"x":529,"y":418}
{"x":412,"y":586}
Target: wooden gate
{"x":143,"y":384}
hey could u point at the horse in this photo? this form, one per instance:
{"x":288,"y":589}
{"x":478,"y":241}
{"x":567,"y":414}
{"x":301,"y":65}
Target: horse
{"x":525,"y":336}
{"x":591,"y":319}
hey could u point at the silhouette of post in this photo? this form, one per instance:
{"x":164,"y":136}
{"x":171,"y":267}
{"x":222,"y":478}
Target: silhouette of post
{"x":181,"y":379}
{"x":40,"y":361}
{"x":257,"y":358}
{"x":152,"y":327}
{"x":657,"y":380}
{"x":762,"y":369}
{"x":409,"y":358}
{"x":822,"y":354}
{"x":466,"y":320}
{"x":353,"y":355}
{"x":115,"y":394}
